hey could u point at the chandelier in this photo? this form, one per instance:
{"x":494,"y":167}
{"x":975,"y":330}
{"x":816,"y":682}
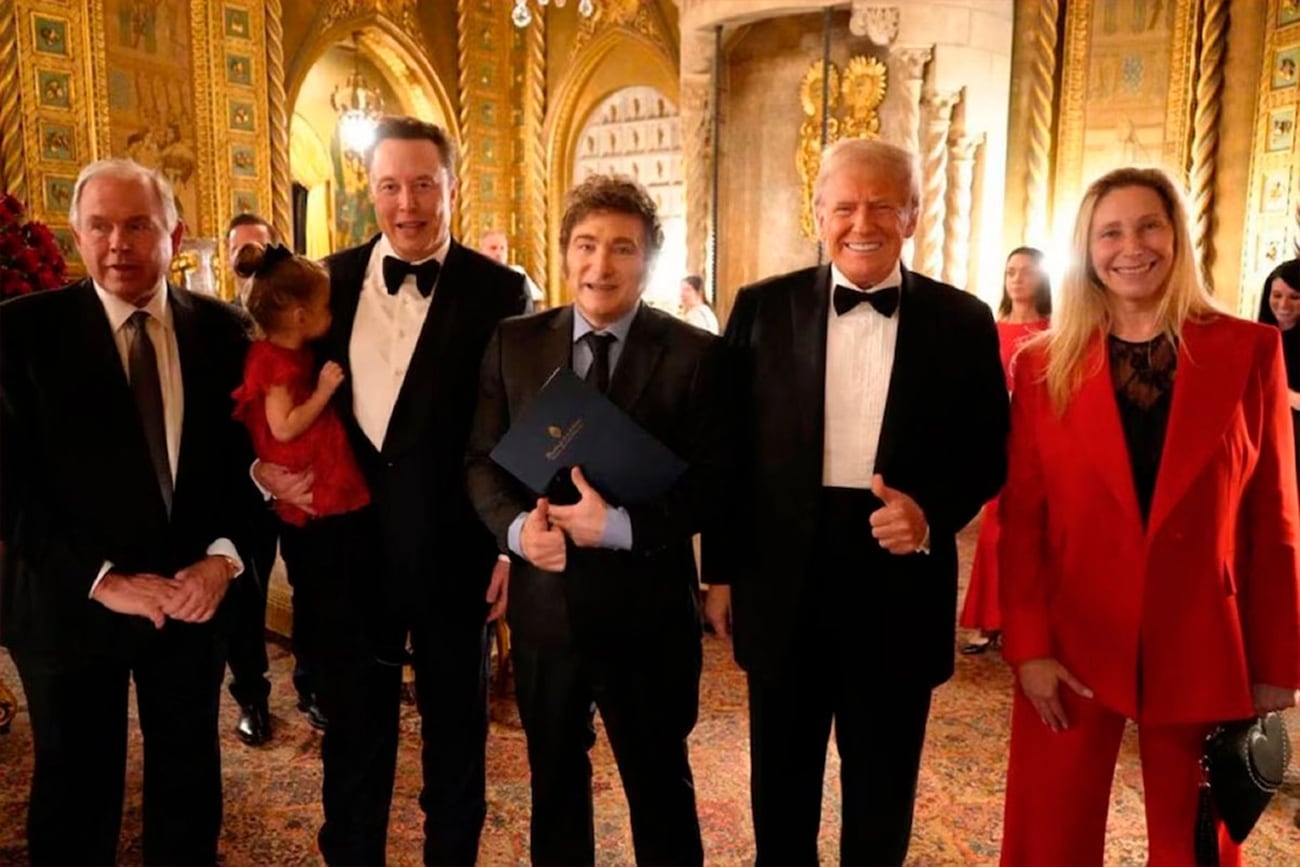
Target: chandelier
{"x":359,"y":107}
{"x":523,"y":16}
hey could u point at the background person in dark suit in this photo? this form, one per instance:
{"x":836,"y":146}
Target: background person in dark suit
{"x":604,"y":609}
{"x":413,"y":311}
{"x":123,"y":486}
{"x":873,"y":405}
{"x":247,"y":644}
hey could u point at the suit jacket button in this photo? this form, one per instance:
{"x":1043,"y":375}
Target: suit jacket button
{"x":389,"y":464}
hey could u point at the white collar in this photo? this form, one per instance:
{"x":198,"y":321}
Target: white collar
{"x":119,"y":311}
{"x":894,"y":278}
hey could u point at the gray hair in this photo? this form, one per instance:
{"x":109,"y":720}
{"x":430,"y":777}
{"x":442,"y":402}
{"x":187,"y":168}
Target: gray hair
{"x":124,"y":169}
{"x":886,"y":158}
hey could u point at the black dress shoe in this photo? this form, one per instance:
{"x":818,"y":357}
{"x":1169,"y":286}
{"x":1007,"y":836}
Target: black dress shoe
{"x":254,"y":726}
{"x":976,"y":647}
{"x":315,"y":716}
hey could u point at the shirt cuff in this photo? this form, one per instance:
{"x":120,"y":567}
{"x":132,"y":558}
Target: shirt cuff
{"x":513,"y":535}
{"x":225,"y":548}
{"x":618,"y":529}
{"x":266,"y":495}
{"x":503,"y":558}
{"x":924,"y":547}
{"x":103,"y":570}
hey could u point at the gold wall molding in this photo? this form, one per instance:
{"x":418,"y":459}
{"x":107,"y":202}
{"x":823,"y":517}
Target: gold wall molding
{"x":464,"y":18}
{"x":278,"y":115}
{"x":1205,"y":133}
{"x":1273,"y":204}
{"x":1041,"y":87}
{"x":11,"y":123}
{"x":531,"y":202}
{"x":635,"y":16}
{"x":617,"y":58}
{"x":402,"y":12}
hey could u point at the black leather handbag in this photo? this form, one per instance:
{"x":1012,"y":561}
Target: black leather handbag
{"x":1243,"y":763}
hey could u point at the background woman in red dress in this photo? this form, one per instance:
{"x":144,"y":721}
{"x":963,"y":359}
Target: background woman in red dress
{"x":1024,"y":310}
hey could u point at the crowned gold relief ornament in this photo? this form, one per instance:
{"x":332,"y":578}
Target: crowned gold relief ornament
{"x":863,"y":90}
{"x":853,"y":111}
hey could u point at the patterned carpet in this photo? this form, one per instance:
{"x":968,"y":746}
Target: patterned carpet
{"x":272,"y":807}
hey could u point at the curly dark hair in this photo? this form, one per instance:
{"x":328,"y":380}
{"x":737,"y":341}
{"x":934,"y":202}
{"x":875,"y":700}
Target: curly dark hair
{"x":616,"y":194}
{"x":1289,"y":273}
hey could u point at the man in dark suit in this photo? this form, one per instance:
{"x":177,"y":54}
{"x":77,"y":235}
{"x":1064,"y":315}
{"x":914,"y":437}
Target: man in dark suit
{"x":603,"y":611}
{"x":874,"y":415}
{"x":413,"y":311}
{"x":247,"y":644}
{"x":123,"y":489}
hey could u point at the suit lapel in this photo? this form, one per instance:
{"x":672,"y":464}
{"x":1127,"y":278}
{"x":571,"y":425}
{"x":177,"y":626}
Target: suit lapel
{"x":347,"y":279}
{"x":554,"y":351}
{"x":809,"y":310}
{"x":189,"y":345}
{"x":1092,"y":418}
{"x":1207,"y":389}
{"x":908,"y":369}
{"x":636,"y":366}
{"x":418,"y":393}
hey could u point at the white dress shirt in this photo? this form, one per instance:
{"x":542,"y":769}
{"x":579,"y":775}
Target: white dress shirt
{"x":859,"y":361}
{"x":162,"y":331}
{"x":384,"y":336}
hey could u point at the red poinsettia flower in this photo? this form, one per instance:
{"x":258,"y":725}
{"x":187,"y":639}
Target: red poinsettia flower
{"x":30,"y":258}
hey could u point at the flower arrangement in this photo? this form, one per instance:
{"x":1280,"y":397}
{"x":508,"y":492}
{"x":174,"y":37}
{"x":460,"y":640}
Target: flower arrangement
{"x":30,"y":258}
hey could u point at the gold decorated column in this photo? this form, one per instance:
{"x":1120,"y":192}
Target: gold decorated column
{"x":1205,"y":135}
{"x":937,"y":109}
{"x":907,"y":69}
{"x":957,"y":209}
{"x":1038,"y":134}
{"x":281,"y":183}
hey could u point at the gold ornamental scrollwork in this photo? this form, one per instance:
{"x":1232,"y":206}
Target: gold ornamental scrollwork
{"x":808,"y":159}
{"x":853,"y":111}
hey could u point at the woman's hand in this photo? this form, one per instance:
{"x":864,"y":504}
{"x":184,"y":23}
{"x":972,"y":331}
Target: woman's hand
{"x":1270,"y":698}
{"x":1040,"y":680}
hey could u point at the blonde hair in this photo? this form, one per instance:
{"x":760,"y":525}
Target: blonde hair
{"x":888,"y":159}
{"x":1084,"y":312}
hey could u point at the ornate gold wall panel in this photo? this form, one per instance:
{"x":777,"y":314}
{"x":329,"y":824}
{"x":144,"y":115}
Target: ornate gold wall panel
{"x":47,"y":129}
{"x":485,"y":41}
{"x":1126,"y":98}
{"x":181,"y":87}
{"x":1272,"y":234}
{"x":530,"y":150}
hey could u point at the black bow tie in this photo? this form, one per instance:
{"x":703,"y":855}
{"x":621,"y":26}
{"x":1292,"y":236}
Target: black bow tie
{"x":395,"y":271}
{"x":884,"y":300}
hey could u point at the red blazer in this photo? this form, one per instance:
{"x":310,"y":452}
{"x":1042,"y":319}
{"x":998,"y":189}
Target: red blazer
{"x":1173,"y":623}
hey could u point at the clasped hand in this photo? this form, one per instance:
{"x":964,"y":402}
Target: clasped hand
{"x":546,"y":526}
{"x":191,"y":596}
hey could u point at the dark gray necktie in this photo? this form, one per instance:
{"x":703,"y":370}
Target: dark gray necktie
{"x":598,"y":373}
{"x":142,"y":364}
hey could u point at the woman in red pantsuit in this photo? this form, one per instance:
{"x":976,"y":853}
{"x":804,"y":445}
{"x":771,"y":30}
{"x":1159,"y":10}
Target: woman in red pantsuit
{"x":1151,"y":491}
{"x":1026,"y":304}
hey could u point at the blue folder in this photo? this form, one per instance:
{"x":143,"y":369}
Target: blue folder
{"x":569,"y":423}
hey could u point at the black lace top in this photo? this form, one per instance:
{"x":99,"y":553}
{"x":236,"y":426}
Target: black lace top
{"x":1143,"y":376}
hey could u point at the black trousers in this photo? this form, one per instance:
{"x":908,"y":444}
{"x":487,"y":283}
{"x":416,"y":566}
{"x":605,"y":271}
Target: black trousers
{"x":335,"y":562}
{"x":879,"y":720}
{"x":247,"y":624}
{"x":648,"y":698}
{"x":79,"y":725}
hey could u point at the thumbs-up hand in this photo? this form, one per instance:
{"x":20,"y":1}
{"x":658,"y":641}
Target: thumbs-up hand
{"x":542,"y":544}
{"x":899,"y":525}
{"x":584,"y":521}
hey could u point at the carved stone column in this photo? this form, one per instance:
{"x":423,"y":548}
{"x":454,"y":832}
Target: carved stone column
{"x":1205,"y":135}
{"x":957,"y":209}
{"x":697,"y":146}
{"x":901,"y":114}
{"x":938,"y":106}
{"x":1038,"y":134}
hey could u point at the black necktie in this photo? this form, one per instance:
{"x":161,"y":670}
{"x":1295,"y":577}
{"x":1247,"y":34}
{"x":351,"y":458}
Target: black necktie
{"x":598,"y":373}
{"x":884,"y":300}
{"x":142,"y":364}
{"x":395,"y":271}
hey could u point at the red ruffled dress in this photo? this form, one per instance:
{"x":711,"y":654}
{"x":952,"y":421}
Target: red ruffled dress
{"x":980,"y":610}
{"x":339,"y":487}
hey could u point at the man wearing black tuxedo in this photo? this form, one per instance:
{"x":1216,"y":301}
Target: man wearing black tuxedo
{"x":873,"y":416}
{"x":412,"y":313}
{"x":123,"y":490}
{"x":604,"y":610}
